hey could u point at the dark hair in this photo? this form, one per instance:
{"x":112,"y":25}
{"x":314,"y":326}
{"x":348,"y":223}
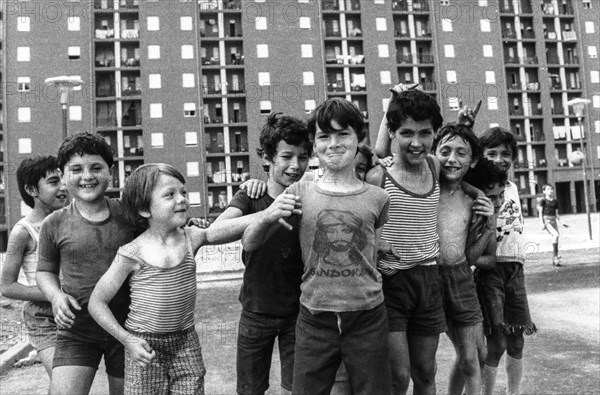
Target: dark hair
{"x":485,"y":175}
{"x":84,"y":143}
{"x":547,"y":186}
{"x":451,"y":130}
{"x":282,"y":127}
{"x":31,"y":171}
{"x":137,"y":193}
{"x":340,"y":110}
{"x":367,"y":152}
{"x":415,"y":104}
{"x":496,"y":136}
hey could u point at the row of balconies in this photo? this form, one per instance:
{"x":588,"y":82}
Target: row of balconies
{"x":417,"y":5}
{"x":407,"y":58}
{"x":123,"y":4}
{"x":334,"y":5}
{"x":106,"y":115}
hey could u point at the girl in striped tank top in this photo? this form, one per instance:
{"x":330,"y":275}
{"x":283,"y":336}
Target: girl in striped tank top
{"x":162,"y":349}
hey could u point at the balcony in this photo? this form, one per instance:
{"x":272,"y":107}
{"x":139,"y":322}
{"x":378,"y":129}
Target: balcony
{"x":509,"y":34}
{"x":428,"y":86}
{"x":425,"y":58}
{"x":330,"y":5}
{"x":400,"y":5}
{"x":104,"y":34}
{"x":130,"y":34}
{"x":232,"y":4}
{"x":103,"y":4}
{"x":404,"y":58}
{"x":569,"y":36}
{"x":573,"y":59}
{"x":420,"y":6}
{"x":129,"y":4}
{"x":552,"y":58}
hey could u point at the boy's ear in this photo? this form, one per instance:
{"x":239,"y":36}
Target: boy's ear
{"x":111,"y":170}
{"x":144,"y":213}
{"x":31,"y":190}
{"x":474,"y":163}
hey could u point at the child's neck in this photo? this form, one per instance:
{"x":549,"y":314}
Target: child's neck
{"x":407,"y":167}
{"x":450,"y":187}
{"x":274,"y":189}
{"x":163,"y":234}
{"x":96,"y":210}
{"x":341,"y":180}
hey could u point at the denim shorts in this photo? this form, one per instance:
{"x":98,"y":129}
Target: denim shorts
{"x":73,"y":349}
{"x":39,"y":322}
{"x":256,"y":337}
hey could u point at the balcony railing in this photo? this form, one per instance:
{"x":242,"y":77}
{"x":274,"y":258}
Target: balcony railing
{"x":572,"y":59}
{"x":404,"y":58}
{"x":400,"y":5}
{"x":428,"y":86}
{"x":425,"y":58}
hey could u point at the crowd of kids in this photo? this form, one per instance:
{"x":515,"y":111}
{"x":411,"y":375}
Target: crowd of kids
{"x":355,"y":269}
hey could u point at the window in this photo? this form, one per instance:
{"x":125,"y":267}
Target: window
{"x":589,"y":27}
{"x":189,"y":110}
{"x":490,"y":77}
{"x":24,"y":146}
{"x":23,"y":84}
{"x":194,"y":198}
{"x":595,"y":76}
{"x":23,"y":24}
{"x":304,"y":22}
{"x":379,"y":1}
{"x":153,"y":51}
{"x":23,"y":114}
{"x":309,"y":105}
{"x":451,"y":76}
{"x":492,"y":103}
{"x":308,"y":78}
{"x":447,"y":25}
{"x":262,"y":51}
{"x":188,"y":80}
{"x":386,"y":77}
{"x":23,"y":54}
{"x":191,"y":139}
{"x":592,"y":51}
{"x":383,"y":51}
{"x":488,"y":51}
{"x":265,"y":107}
{"x":260,"y":23}
{"x":154,"y":81}
{"x":483,"y":3}
{"x":153,"y":23}
{"x":156,"y":110}
{"x":187,"y":52}
{"x":381,"y":24}
{"x":264,"y":78}
{"x":74,"y":113}
{"x":74,"y":53}
{"x":193,"y":169}
{"x":444,"y":2}
{"x":485,"y":25}
{"x":597,"y":126}
{"x":449,"y":51}
{"x":306,"y":50}
{"x":453,"y":103}
{"x":186,"y":23}
{"x":73,"y":24}
{"x":156,"y":140}
{"x":596,"y":101}
{"x":587,"y":4}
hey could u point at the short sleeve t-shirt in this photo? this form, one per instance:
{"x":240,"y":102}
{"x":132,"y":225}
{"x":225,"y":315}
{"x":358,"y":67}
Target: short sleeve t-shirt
{"x":549,"y":207}
{"x":85,"y":250}
{"x":511,"y":244}
{"x":337,"y":234}
{"x":273,"y":273}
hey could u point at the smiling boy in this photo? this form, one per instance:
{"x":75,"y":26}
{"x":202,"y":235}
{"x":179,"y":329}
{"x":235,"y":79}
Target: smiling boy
{"x":80,"y":242}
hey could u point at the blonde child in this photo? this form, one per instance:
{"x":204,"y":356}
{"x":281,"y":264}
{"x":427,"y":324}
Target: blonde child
{"x":162,"y":350}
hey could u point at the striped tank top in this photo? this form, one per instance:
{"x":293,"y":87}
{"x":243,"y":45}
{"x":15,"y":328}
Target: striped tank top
{"x":412,"y":227}
{"x":162,"y":299}
{"x":29,"y":263}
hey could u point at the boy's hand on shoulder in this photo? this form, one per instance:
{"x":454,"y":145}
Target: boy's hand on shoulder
{"x":140,"y":350}
{"x":483,"y":206}
{"x":61,"y":307}
{"x":254,"y":188}
{"x":388,"y":161}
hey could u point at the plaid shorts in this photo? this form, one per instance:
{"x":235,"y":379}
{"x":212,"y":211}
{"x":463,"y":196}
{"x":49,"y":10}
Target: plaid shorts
{"x":177,"y":368}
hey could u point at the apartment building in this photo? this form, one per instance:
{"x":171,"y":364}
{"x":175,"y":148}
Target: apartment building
{"x":191,"y":82}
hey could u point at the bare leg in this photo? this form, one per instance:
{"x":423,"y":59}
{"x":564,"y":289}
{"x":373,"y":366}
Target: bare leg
{"x":496,"y":345}
{"x":72,"y":380}
{"x":400,"y":361}
{"x":115,"y":385}
{"x":465,"y":344}
{"x":46,"y":356}
{"x":422,"y":351}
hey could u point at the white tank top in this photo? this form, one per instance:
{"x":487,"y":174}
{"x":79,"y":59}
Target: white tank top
{"x":27,"y":273}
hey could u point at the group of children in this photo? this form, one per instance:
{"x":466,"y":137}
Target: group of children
{"x":355,"y":269}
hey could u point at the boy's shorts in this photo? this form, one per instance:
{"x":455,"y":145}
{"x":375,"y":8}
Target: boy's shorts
{"x":39,"y":322}
{"x":413,"y":298}
{"x":177,"y":368}
{"x":461,"y":304}
{"x":503,"y":298}
{"x":73,"y":349}
{"x":256,"y":337}
{"x":550,"y":221}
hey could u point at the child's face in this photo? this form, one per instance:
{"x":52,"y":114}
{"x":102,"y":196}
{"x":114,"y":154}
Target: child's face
{"x":455,"y":156}
{"x":51,"y":192}
{"x":496,"y":194}
{"x":501,"y":155}
{"x":360,"y":166}
{"x":414,"y":140}
{"x":548,"y":191}
{"x":87,"y":177}
{"x":336,"y":151}
{"x":169,"y":204}
{"x":289,"y":163}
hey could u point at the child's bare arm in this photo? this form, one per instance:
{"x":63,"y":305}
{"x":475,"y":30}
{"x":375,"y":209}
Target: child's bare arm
{"x":230,"y":212}
{"x":19,"y":242}
{"x":383,"y":143}
{"x":103,"y":293}
{"x":481,"y":252}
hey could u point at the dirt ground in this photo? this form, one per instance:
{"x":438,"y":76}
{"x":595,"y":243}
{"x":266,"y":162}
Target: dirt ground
{"x":562,"y":358}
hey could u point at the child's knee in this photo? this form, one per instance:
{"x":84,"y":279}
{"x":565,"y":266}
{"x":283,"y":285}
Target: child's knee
{"x":514,"y":346}
{"x":496,"y":347}
{"x":469,"y":364}
{"x":425,"y":372}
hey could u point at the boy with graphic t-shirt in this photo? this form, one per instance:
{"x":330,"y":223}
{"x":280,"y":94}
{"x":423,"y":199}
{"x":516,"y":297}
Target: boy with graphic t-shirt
{"x":342,"y":316}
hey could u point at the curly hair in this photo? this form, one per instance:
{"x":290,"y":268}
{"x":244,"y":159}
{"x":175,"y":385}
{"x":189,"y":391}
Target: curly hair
{"x":282,"y":127}
{"x":415,"y":104}
{"x":485,"y":175}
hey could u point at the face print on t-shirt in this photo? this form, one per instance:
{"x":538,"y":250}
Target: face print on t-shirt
{"x":339,"y":238}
